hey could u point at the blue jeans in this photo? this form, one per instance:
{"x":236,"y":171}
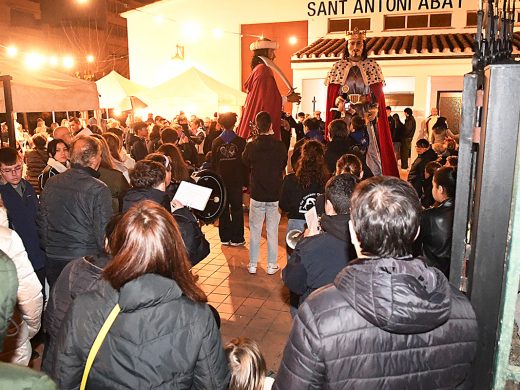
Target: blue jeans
{"x":257,"y":212}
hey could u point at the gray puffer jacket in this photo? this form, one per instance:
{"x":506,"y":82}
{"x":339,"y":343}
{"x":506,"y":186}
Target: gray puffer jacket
{"x":383,"y":324}
{"x":160,"y":340}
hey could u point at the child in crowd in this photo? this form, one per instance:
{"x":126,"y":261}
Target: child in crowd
{"x":427,"y":197}
{"x":452,"y":161}
{"x":247,"y":366}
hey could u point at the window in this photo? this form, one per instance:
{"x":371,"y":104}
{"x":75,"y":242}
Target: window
{"x":342,"y":25}
{"x":395,"y":22}
{"x":417,"y":21}
{"x":402,"y":22}
{"x":440,"y":20}
{"x":471,"y":19}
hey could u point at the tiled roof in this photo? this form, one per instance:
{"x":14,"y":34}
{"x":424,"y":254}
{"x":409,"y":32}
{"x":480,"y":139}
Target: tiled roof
{"x":406,"y":46}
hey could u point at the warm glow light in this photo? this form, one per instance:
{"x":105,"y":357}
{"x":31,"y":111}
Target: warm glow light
{"x":90,"y":58}
{"x":53,"y":61}
{"x":218,"y":33}
{"x":81,"y":2}
{"x":191,"y":31}
{"x":293,"y":40}
{"x":68,"y":62}
{"x":158,"y":19}
{"x":12,"y":51}
{"x":224,"y":109}
{"x":141,"y":113}
{"x":262,"y":36}
{"x":34,"y":60}
{"x":116,"y":112}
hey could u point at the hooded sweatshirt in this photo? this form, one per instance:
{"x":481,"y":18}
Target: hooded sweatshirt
{"x":384,"y":324}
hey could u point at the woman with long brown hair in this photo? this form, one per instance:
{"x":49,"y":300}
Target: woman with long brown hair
{"x":164,"y":335}
{"x":300,"y":189}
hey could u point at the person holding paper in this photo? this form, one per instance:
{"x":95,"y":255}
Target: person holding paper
{"x":323,"y":252}
{"x":266,"y":157}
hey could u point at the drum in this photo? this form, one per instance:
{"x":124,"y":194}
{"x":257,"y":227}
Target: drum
{"x":217,"y":200}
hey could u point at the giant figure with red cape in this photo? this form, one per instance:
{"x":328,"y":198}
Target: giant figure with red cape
{"x":360,"y":82}
{"x":261,"y":88}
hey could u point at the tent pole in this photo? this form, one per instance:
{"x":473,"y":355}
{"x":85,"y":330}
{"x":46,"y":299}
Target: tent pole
{"x":53,"y":117}
{"x":68,"y":116}
{"x":26,"y":123}
{"x":8,"y":100}
{"x":106,"y":109}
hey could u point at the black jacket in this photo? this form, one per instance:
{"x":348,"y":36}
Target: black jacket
{"x":436,"y":235}
{"x":316,"y":260}
{"x":74,"y":210}
{"x":160,"y":340}
{"x":409,"y":126}
{"x":267,"y":158}
{"x":383,"y":324}
{"x":194,"y":240}
{"x":416,"y":175}
{"x":336,"y":148}
{"x":79,"y":276}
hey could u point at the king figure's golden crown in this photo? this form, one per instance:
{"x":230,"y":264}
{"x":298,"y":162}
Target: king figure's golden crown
{"x":356,"y":34}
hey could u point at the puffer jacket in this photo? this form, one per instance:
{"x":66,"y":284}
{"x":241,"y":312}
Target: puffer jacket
{"x":436,"y":234}
{"x":383,"y":324}
{"x":13,"y":376}
{"x":160,"y":340}
{"x":27,"y":314}
{"x":194,"y":240}
{"x":74,"y":209}
{"x":79,"y":276}
{"x":36,"y":161}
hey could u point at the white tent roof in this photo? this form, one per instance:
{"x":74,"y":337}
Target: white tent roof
{"x":47,"y":90}
{"x":116,"y":91}
{"x":194,"y":91}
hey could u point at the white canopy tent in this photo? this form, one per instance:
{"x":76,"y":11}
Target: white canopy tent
{"x":45,"y":90}
{"x":116,"y":91}
{"x":193,"y":92}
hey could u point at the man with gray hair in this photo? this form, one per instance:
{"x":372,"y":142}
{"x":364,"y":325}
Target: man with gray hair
{"x":75,"y":208}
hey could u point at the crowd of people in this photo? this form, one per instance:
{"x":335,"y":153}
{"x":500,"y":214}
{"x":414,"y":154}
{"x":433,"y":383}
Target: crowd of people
{"x":91,"y":212}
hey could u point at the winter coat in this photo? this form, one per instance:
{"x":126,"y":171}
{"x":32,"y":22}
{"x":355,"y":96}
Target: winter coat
{"x":75,"y":208}
{"x":416,"y":175}
{"x":194,"y":240}
{"x":139,"y":149}
{"x":36,"y":161}
{"x":22,"y":213}
{"x":79,"y":276}
{"x":436,"y":235}
{"x":226,"y":160}
{"x":316,"y":260}
{"x":383,"y":324}
{"x":117,"y":184}
{"x":334,"y":150}
{"x":27,"y":314}
{"x":160,"y":340}
{"x":14,"y":376}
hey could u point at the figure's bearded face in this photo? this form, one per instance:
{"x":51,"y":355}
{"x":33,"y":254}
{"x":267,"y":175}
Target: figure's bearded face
{"x":355,"y":49}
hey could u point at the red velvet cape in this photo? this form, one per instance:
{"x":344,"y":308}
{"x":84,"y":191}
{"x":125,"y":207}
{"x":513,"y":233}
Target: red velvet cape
{"x":262,"y":95}
{"x":386,"y":146}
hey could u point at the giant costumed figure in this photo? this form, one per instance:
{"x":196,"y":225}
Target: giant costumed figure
{"x":360,"y":81}
{"x":261,"y":88}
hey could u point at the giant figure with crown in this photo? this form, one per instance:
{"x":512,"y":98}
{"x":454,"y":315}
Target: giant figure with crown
{"x":359,"y":81}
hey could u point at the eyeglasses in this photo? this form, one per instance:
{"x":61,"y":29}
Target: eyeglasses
{"x":12,"y":171}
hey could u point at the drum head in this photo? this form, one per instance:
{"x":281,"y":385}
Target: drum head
{"x":217,"y":200}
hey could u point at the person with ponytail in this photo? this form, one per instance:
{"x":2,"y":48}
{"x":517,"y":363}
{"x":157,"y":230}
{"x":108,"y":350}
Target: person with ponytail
{"x":437,"y":222}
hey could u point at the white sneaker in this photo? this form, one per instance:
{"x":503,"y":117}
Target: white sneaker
{"x":251,"y":268}
{"x":272,"y":269}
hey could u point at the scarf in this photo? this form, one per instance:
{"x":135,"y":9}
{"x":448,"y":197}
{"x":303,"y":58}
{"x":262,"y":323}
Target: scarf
{"x":57,"y":165}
